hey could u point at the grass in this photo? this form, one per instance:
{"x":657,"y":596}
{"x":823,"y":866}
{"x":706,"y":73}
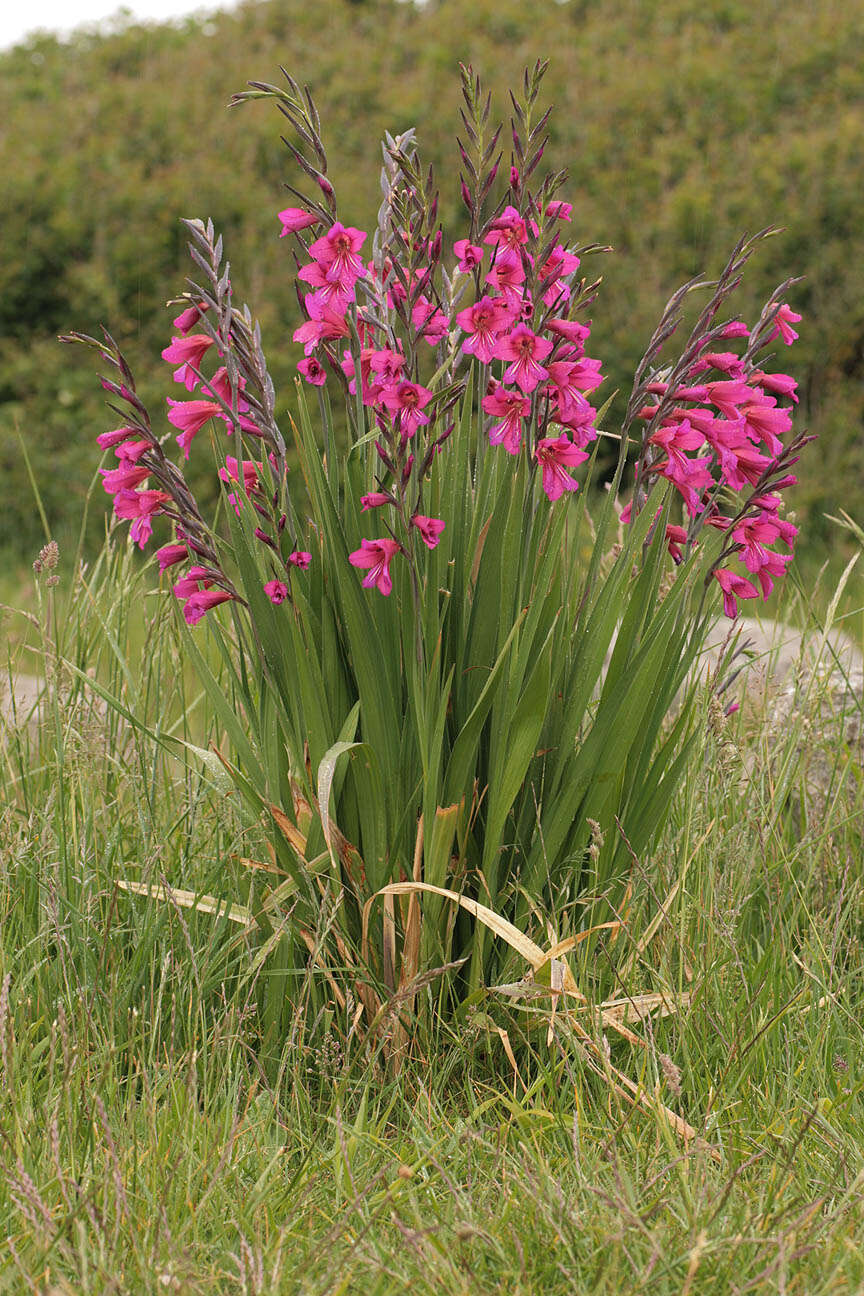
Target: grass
{"x":146,"y":1147}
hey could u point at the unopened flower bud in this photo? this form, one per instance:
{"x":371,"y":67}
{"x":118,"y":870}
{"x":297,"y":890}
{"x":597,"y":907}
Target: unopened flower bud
{"x":264,"y":537}
{"x":282,"y":522}
{"x":466,"y":197}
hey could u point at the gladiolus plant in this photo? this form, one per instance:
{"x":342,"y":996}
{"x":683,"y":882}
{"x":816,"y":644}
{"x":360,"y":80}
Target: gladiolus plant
{"x":456,"y":666}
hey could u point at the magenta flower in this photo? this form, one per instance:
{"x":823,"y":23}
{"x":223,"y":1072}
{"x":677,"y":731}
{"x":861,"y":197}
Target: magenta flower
{"x":430,"y":529}
{"x":734,"y":587}
{"x":755,"y":534}
{"x":190,"y":417}
{"x":726,"y":361}
{"x":511,"y":407}
{"x":431,"y":324}
{"x":783,"y":321}
{"x":559,"y":210}
{"x":312,"y":371}
{"x":676,"y":537}
{"x":740,"y":461}
{"x":554,"y":455}
{"x":323,"y":325}
{"x":728,"y":396}
{"x":569,"y":330}
{"x":484,"y":322}
{"x":188,"y":318}
{"x":126,"y":477}
{"x":197,"y":605}
{"x":469,"y":254}
{"x":374,"y":500}
{"x":508,"y":229}
{"x":525,"y":349}
{"x":406,"y":401}
{"x":186,"y":351}
{"x":296,"y":218}
{"x":192,"y":581}
{"x":767,"y":421}
{"x":169,"y":555}
{"x":689,"y":476}
{"x":338,"y":254}
{"x":131,"y":451}
{"x":300,"y":558}
{"x":781,"y":384}
{"x":377,"y":556}
{"x":276,"y":591}
{"x":387,"y":365}
{"x":106,"y":440}
{"x":231,"y":472}
{"x":139,"y":507}
{"x":559,"y":264}
{"x":735,"y":329}
{"x":507,"y":274}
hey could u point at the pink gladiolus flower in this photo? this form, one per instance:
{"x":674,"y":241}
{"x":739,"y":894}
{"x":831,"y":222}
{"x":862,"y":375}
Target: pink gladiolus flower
{"x":312,"y":371}
{"x":337,"y":294}
{"x":511,"y":407}
{"x":231,"y":472}
{"x":188,"y":318}
{"x":559,"y":264}
{"x":779,"y":383}
{"x":430,"y":529}
{"x":507,"y":274}
{"x":755,"y":534}
{"x":767,"y":421}
{"x":374,"y":500}
{"x":197,"y":605}
{"x":555,"y":454}
{"x":484,"y":322}
{"x":323,"y":325}
{"x":300,"y":558}
{"x":525,"y":349}
{"x":296,"y":218}
{"x":338,"y":254}
{"x":105,"y":440}
{"x":192,"y":581}
{"x":735,"y":329}
{"x":387,"y":365}
{"x":783,"y":321}
{"x":432,"y":324}
{"x":276,"y":591}
{"x":377,"y":556}
{"x":131,"y":451}
{"x":169,"y":555}
{"x":734,"y":587}
{"x":469,"y":254}
{"x":186,"y":351}
{"x":726,"y":361}
{"x":126,"y":477}
{"x":139,"y":508}
{"x":740,"y":462}
{"x":689,"y":476}
{"x":569,"y":330}
{"x":508,"y":229}
{"x":406,"y":401}
{"x":190,"y":417}
{"x":559,"y":210}
{"x":728,"y":396}
{"x":676,"y":537}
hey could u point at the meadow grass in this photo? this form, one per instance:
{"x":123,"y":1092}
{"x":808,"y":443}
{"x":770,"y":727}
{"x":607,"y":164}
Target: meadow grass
{"x":146,"y":1147}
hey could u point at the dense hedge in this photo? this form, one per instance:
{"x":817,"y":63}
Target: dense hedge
{"x":682,"y":123}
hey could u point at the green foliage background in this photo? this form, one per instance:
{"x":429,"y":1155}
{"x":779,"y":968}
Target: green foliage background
{"x":683,"y":124}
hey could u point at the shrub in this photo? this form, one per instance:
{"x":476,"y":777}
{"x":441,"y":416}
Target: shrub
{"x":451,"y":689}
